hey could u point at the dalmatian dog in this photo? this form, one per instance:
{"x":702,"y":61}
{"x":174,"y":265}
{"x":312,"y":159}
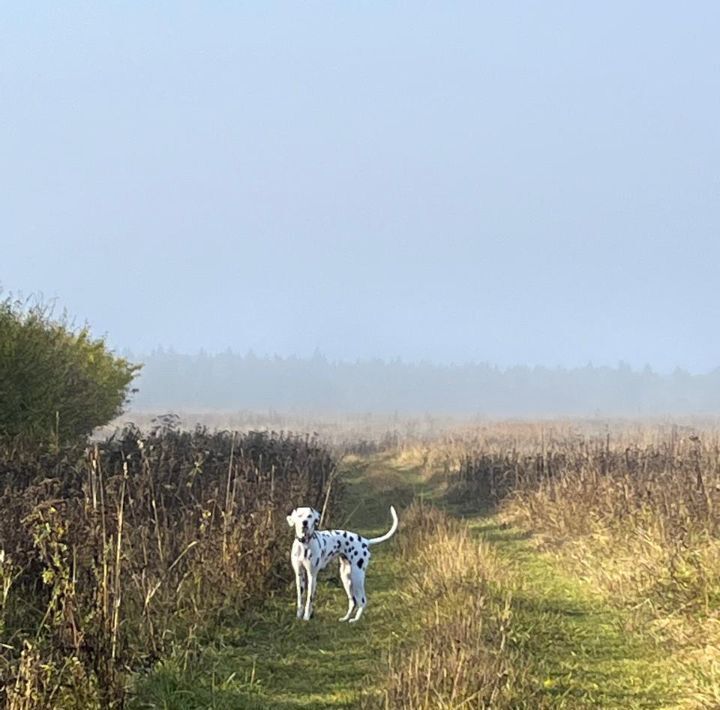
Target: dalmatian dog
{"x":313,"y":550}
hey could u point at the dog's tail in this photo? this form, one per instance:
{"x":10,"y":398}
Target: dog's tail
{"x":389,"y":533}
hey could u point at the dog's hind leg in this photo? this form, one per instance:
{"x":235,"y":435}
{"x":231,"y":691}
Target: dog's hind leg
{"x":358,"y":589}
{"x":346,"y":575}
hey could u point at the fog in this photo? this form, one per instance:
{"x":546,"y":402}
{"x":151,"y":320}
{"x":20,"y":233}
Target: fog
{"x":228,"y":382}
{"x":529,"y":185}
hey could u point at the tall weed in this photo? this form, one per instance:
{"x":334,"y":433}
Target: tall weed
{"x":113,"y":556}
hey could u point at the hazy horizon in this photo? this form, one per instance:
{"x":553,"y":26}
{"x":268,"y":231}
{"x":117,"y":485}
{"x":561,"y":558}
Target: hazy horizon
{"x":318,"y":354}
{"x":231,"y":382}
{"x":450,"y":183}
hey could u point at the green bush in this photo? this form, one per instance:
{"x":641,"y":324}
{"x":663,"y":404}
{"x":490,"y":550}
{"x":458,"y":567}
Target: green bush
{"x":57,"y":383}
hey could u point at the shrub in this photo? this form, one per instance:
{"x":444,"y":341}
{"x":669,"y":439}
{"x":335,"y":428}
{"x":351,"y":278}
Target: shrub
{"x":57,"y":383}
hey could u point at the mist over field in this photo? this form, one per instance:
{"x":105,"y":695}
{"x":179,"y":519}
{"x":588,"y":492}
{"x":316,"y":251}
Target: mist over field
{"x":519,"y":184}
{"x":229,"y":382}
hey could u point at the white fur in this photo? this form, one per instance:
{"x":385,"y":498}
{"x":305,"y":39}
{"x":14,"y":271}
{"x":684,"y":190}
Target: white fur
{"x":313,"y":550}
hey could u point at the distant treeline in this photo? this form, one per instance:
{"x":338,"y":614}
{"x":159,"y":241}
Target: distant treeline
{"x":230,"y":381}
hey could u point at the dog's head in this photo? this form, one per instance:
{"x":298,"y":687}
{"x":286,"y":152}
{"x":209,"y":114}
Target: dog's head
{"x":305,"y":521}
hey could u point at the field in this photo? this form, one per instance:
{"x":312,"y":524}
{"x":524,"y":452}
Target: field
{"x":549,"y":564}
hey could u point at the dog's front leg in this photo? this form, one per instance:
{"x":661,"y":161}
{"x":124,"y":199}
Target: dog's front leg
{"x":300,"y":585}
{"x":311,"y":588}
{"x":296,"y":559}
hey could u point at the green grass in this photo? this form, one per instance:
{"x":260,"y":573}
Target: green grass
{"x":575,"y":648}
{"x":578,"y":649}
{"x":268,"y":659}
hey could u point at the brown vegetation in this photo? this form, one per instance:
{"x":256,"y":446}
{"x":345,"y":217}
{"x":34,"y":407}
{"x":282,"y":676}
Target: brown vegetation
{"x":114,"y":556}
{"x":636,"y":509}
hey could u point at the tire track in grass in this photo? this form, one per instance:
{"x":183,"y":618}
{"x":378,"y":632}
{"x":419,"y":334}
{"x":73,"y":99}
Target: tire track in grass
{"x":577,"y":647}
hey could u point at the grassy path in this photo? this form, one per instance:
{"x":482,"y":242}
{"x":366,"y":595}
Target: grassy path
{"x":272,"y":661}
{"x":578,"y":649}
{"x":577,"y":652}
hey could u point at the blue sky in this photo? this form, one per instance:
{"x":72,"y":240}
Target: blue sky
{"x":522,"y":182}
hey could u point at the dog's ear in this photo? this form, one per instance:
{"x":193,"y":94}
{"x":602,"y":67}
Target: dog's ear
{"x":316,"y":517}
{"x":291,"y":519}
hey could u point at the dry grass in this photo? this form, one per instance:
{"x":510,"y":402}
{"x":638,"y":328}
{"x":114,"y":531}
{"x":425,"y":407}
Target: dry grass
{"x":461,"y":658}
{"x":362,"y":434}
{"x":635,"y":510}
{"x":114,"y":557}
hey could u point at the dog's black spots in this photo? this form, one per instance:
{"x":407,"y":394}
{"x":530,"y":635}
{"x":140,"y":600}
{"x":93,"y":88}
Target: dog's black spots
{"x":360,"y":563}
{"x":365,"y":545}
{"x":307,"y":552}
{"x":344,"y":533}
{"x":363,"y":601}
